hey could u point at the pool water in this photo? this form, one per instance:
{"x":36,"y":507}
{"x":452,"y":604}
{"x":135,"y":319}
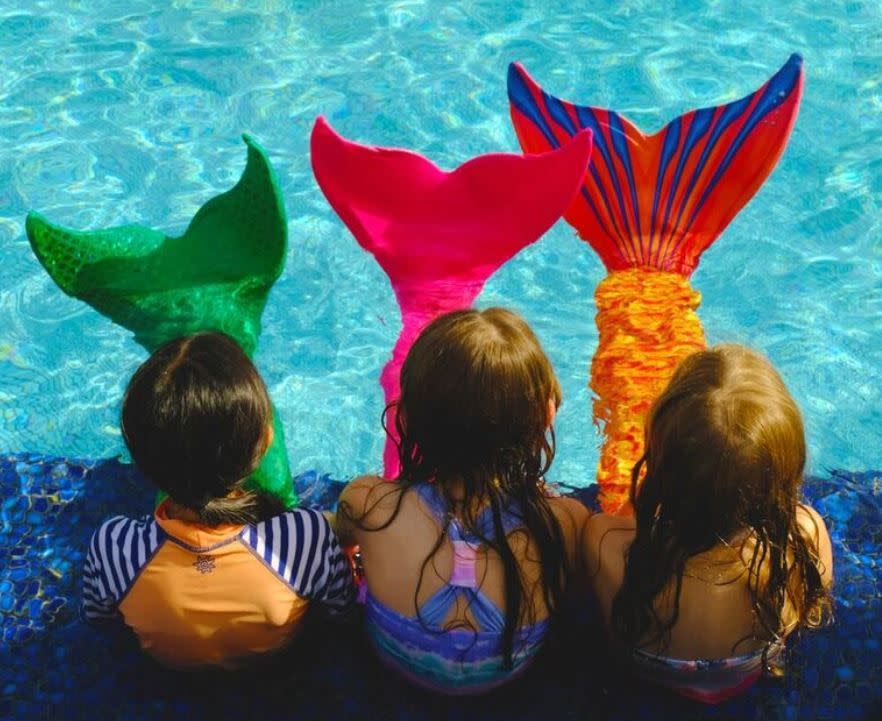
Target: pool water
{"x":113,"y":113}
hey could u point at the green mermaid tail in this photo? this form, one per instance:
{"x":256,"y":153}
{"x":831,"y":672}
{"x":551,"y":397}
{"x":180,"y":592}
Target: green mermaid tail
{"x":216,"y":276}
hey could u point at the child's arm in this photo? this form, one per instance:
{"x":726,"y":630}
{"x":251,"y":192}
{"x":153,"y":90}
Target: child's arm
{"x":352,"y":508}
{"x":814,"y":530}
{"x":97,"y":604}
{"x":103,"y":584}
{"x":604,"y":544}
{"x":573,"y":517}
{"x":326,"y":573}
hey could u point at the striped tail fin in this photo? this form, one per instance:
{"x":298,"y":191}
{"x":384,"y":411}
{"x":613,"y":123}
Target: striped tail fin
{"x":660,"y":201}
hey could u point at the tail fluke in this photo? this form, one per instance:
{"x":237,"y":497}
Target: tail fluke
{"x":660,"y":200}
{"x":439,"y":236}
{"x":650,"y":205}
{"x":216,"y":276}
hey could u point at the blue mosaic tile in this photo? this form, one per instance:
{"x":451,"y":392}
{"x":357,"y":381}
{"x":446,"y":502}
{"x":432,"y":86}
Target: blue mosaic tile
{"x":54,"y":666}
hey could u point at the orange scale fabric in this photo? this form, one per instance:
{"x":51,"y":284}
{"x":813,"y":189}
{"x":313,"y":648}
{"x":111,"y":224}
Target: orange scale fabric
{"x":647,"y":324}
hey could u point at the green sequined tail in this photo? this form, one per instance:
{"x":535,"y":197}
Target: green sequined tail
{"x":216,"y":276}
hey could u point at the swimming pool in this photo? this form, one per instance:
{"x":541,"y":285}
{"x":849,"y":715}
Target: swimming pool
{"x":116,"y":113}
{"x":113,"y":113}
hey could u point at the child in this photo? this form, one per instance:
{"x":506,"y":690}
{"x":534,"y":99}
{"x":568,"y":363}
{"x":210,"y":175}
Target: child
{"x":466,"y":555}
{"x":214,"y":577}
{"x":722,"y":561}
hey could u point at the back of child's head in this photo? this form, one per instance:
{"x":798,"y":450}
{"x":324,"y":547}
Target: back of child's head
{"x":724,"y":458}
{"x":196,"y":419}
{"x":474,"y":410}
{"x":474,"y":404}
{"x":725,"y":447}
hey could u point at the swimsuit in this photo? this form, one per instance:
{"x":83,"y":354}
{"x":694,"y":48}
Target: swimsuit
{"x":456,"y":660}
{"x":707,"y":680}
{"x":197,"y":595}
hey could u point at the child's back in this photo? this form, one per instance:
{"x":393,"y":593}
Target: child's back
{"x":721,"y":561}
{"x":466,"y":557}
{"x":197,"y":595}
{"x":215,"y":576}
{"x":715,"y":613}
{"x":459,"y":589}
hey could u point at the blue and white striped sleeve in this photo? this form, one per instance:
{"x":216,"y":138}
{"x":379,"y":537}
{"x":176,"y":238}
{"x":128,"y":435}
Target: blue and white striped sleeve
{"x":303,"y":549}
{"x":119,"y":549}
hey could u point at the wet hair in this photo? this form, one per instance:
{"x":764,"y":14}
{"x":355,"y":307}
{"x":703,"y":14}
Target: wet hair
{"x":195,"y":418}
{"x":475,"y":389}
{"x":724,"y":455}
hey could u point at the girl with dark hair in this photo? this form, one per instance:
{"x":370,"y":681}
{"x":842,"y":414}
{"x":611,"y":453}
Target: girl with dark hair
{"x":466,"y":555}
{"x":721,"y":561}
{"x":219,"y":573}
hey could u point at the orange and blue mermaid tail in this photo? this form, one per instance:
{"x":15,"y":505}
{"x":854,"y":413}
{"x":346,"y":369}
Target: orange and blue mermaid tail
{"x":650,"y":205}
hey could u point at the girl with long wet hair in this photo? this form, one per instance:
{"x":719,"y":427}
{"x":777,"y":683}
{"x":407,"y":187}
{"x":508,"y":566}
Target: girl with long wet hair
{"x":466,"y":554}
{"x":721,"y":560}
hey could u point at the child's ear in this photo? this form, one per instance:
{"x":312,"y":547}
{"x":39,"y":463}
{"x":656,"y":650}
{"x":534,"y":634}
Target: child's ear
{"x":551,"y":412}
{"x":269,"y":434}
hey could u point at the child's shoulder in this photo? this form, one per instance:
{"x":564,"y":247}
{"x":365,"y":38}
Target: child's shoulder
{"x":369,"y":501}
{"x":811,"y":523}
{"x":814,"y":530}
{"x":606,"y":537}
{"x":303,"y":522}
{"x":368,"y":494}
{"x":126,"y":535}
{"x":572,"y":515}
{"x":119,"y":549}
{"x":366,"y":484}
{"x":300,"y":546}
{"x":600,"y":524}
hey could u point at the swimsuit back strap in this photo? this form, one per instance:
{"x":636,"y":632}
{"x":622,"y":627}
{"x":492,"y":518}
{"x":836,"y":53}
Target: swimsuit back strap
{"x":464,"y":581}
{"x":432,"y":497}
{"x":488,"y":618}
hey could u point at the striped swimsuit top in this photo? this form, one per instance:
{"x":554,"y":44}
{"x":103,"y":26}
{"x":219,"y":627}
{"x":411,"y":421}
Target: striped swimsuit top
{"x":455,"y":660}
{"x":214,"y":596}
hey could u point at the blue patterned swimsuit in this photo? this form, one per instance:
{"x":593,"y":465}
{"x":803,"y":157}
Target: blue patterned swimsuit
{"x":455,"y":661}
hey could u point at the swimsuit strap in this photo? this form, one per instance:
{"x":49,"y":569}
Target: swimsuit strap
{"x":487,"y":616}
{"x":463,"y":582}
{"x":432,"y":497}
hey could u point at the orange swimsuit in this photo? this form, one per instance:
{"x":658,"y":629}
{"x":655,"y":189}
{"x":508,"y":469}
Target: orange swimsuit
{"x":197,"y":595}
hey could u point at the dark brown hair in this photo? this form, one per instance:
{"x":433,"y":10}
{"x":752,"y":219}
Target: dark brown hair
{"x":475,"y":389}
{"x":195,"y":419}
{"x":724,"y":454}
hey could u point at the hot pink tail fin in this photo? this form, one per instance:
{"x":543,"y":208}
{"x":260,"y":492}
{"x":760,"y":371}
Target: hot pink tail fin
{"x":438,"y":235}
{"x":424,"y":225}
{"x":660,"y":200}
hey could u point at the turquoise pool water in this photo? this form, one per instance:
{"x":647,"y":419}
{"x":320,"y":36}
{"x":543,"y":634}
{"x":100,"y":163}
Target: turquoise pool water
{"x":120,"y":112}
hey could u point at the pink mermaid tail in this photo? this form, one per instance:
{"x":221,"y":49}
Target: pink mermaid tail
{"x":439,"y":236}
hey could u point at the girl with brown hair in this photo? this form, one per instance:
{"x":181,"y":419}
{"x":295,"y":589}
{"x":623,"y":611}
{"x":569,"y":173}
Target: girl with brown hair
{"x":467,"y":556}
{"x":721,"y":561}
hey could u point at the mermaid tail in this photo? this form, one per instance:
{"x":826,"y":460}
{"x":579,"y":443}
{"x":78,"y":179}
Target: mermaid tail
{"x":216,"y":276}
{"x":439,"y":236}
{"x":650,"y":205}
